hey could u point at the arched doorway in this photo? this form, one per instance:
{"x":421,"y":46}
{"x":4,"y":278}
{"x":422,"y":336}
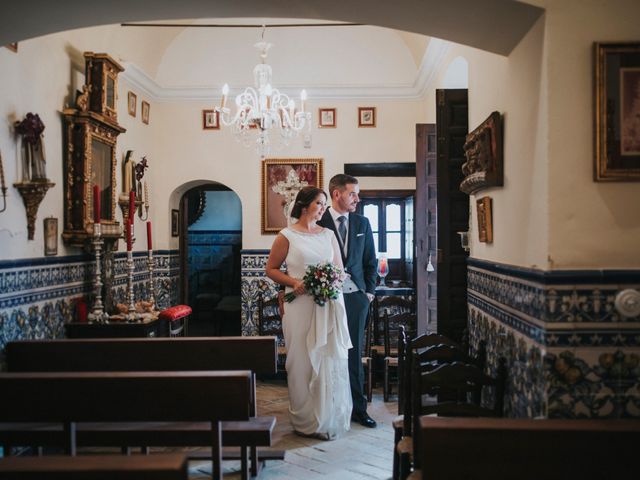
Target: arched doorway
{"x":210,"y":244}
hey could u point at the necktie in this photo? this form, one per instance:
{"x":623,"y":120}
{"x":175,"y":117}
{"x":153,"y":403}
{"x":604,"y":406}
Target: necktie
{"x":342,"y":229}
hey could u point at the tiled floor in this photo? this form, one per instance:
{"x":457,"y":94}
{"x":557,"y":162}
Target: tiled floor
{"x":362,"y":453}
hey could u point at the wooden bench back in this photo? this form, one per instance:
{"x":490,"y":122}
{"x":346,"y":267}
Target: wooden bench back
{"x":125,"y":396}
{"x":162,"y":466}
{"x":258,"y":354}
{"x":526,"y":449}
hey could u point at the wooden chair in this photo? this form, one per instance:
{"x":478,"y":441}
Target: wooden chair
{"x":392,"y":324}
{"x":428,"y":350}
{"x":464,"y":380}
{"x":367,"y":363}
{"x":425,"y":353}
{"x":270,"y":324}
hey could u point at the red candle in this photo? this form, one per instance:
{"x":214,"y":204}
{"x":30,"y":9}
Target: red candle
{"x":132,"y":204}
{"x":129,"y":235}
{"x":96,"y":204}
{"x":149,"y":243}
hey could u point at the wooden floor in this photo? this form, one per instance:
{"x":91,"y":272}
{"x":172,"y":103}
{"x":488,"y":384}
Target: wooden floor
{"x":360,"y":454}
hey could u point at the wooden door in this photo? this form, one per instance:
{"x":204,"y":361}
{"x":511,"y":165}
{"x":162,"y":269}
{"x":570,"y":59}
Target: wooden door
{"x":452,"y":126}
{"x":426,"y":227}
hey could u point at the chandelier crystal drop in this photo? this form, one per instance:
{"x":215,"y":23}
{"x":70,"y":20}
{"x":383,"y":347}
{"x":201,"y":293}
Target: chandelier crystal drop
{"x":263,"y":109}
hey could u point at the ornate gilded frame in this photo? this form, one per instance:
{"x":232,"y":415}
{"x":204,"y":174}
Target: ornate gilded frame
{"x":617,"y":112}
{"x":278,"y":170}
{"x":485,"y":220}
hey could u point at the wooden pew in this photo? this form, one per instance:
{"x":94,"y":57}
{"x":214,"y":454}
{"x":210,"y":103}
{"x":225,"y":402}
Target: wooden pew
{"x":68,"y":398}
{"x":526,"y":449}
{"x":258,"y":354}
{"x":95,"y":467}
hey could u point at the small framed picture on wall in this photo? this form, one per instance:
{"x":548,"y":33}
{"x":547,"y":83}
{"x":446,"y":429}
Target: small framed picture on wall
{"x":145,"y":112}
{"x":366,"y":116}
{"x":132,"y":103}
{"x":326,"y":118}
{"x":210,"y":120}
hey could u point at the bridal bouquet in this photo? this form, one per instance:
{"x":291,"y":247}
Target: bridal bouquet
{"x":323,"y":281}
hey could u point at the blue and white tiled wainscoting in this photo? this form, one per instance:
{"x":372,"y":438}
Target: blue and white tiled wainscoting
{"x":38,"y":295}
{"x":253,"y":284}
{"x":569,"y":354}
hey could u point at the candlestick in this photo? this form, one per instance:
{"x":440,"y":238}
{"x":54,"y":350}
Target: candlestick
{"x":149,"y":243}
{"x":96,"y":204}
{"x":152,"y":297}
{"x":131,"y":316}
{"x":129,"y":235}
{"x":146,"y":195}
{"x":98,"y":315}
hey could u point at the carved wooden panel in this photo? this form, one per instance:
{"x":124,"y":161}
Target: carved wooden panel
{"x":483,"y":149}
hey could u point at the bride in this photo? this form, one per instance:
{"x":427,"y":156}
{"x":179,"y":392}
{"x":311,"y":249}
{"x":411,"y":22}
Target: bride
{"x":316,"y":337}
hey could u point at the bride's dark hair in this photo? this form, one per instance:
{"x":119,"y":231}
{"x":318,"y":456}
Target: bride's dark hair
{"x":304,"y":199}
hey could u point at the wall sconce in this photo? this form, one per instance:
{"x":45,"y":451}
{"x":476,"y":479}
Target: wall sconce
{"x":464,"y":240}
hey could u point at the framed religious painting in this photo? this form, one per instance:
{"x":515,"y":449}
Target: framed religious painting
{"x":485,"y":220}
{"x":326,"y":118}
{"x":210,"y":120}
{"x":366,"y":117}
{"x":132,"y":103}
{"x":617,"y":112}
{"x":144,"y":107}
{"x":282,"y":179}
{"x":50,"y":236}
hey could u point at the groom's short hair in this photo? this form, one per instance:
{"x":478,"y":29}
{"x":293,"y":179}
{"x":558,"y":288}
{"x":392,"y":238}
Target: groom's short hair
{"x":340,"y":181}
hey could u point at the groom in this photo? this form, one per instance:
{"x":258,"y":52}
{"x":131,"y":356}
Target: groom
{"x":359,"y":258}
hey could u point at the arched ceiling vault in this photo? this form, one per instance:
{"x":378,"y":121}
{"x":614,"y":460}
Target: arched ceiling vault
{"x":492,"y":25}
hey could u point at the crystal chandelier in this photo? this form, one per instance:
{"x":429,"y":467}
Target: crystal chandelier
{"x":264,"y":109}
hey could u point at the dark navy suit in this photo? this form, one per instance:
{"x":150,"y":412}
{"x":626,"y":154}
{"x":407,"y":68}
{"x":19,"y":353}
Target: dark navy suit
{"x":360,"y":264}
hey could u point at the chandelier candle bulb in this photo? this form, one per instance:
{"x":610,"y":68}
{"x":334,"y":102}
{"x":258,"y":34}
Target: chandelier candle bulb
{"x":303,"y":99}
{"x":149,"y":242}
{"x":292,"y":109}
{"x":225,"y":92}
{"x":96,"y":204}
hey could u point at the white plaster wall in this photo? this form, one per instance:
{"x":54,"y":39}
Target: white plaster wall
{"x":214,"y":155}
{"x":514,"y":86}
{"x":42,"y":77}
{"x":592,"y":225}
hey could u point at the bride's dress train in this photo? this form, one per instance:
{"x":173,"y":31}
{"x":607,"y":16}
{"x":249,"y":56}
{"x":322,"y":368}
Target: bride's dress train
{"x":317,"y":341}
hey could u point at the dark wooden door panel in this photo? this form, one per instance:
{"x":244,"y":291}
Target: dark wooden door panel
{"x":453,"y":212}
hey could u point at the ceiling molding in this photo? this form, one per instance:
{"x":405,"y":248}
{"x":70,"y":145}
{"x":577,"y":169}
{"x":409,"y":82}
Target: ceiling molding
{"x":431,"y":62}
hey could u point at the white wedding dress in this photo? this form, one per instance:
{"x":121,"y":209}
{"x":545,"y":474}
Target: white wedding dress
{"x":317,"y":342}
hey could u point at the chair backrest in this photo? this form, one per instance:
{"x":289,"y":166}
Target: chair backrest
{"x":269,"y":320}
{"x":392,"y":324}
{"x":403,"y":343}
{"x":388,"y":305}
{"x":460,"y":379}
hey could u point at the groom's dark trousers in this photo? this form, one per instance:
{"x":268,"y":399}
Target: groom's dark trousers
{"x":360,"y":263}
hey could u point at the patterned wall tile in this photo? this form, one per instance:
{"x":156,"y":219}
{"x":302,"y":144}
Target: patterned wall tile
{"x":569,"y":353}
{"x":38,"y":295}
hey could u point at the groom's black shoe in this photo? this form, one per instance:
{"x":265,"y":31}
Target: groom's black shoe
{"x":364,"y":419}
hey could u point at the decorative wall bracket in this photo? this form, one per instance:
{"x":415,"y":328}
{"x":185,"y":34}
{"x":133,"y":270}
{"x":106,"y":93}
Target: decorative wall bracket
{"x":483,"y":150}
{"x":32,"y":195}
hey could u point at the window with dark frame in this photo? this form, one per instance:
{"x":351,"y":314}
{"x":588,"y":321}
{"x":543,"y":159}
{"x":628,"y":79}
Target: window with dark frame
{"x":391,"y":219}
